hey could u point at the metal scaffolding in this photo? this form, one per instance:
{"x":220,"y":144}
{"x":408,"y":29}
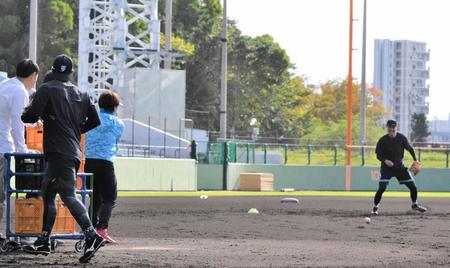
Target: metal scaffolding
{"x":109,"y":42}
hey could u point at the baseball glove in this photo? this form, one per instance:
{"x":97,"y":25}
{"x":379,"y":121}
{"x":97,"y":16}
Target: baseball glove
{"x":415,"y":167}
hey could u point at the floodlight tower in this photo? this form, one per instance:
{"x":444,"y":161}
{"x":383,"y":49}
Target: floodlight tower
{"x":107,"y":47}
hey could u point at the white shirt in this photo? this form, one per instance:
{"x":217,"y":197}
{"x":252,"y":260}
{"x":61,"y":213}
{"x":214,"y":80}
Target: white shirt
{"x":13,"y":99}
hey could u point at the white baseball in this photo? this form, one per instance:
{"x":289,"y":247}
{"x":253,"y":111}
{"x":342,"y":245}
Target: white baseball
{"x":367,"y":220}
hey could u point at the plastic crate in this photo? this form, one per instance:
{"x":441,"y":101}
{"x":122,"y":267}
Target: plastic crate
{"x":29,"y":217}
{"x":35,"y":137}
{"x":79,"y":183}
{"x":33,"y":165}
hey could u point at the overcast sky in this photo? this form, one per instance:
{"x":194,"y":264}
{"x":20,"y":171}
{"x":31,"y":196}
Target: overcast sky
{"x":315,"y":35}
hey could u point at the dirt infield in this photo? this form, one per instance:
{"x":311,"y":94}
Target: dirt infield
{"x":218,"y":232}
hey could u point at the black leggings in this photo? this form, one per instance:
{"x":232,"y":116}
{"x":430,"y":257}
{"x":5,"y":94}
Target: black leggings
{"x":383,"y":185}
{"x":105,"y":191}
{"x":60,"y":178}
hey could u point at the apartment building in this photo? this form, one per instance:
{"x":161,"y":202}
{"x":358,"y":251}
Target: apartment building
{"x":401,"y":72}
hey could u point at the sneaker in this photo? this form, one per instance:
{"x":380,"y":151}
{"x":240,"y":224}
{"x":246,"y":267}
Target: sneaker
{"x":374,"y":211}
{"x":419,"y":208}
{"x":91,"y":246}
{"x":9,"y":246}
{"x":40,"y":246}
{"x":104,"y":233}
{"x":25,"y":241}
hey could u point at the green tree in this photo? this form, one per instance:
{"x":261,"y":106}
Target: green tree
{"x":198,"y":22}
{"x":329,"y":109}
{"x":419,"y":128}
{"x":260,"y":85}
{"x":14,"y":32}
{"x":57,"y":32}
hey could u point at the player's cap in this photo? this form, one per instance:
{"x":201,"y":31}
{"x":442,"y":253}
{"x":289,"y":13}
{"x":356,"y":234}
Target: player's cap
{"x":62,"y":68}
{"x":391,"y":123}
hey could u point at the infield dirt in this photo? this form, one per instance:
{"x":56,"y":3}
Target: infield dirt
{"x":218,"y":232}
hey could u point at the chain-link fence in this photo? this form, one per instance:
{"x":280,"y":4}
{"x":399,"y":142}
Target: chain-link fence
{"x":271,"y":153}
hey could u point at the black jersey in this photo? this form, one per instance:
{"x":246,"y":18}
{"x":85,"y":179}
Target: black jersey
{"x":67,"y":113}
{"x":389,"y":148}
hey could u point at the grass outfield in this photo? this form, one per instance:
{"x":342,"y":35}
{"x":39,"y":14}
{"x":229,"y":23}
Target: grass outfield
{"x":297,"y":193}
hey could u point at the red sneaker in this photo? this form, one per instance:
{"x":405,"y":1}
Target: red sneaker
{"x":104,"y":233}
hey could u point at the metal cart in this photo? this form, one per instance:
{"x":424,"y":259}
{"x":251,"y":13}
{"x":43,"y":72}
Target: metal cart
{"x":10,"y":245}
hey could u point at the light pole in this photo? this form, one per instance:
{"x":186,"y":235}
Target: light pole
{"x":349,"y":102}
{"x":363,"y":81}
{"x":223,"y":84}
{"x":168,"y":34}
{"x":32,"y":49}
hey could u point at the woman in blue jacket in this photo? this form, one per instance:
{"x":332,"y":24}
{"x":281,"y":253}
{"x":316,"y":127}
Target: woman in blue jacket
{"x":100,"y":150}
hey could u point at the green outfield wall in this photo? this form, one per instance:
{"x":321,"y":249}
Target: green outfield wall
{"x":154,"y":174}
{"x":209,"y":177}
{"x":330,"y":178}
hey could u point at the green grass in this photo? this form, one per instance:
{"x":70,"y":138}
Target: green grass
{"x":297,"y":193}
{"x":430,"y":158}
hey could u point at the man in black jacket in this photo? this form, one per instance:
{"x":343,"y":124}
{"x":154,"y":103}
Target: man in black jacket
{"x":390,"y":151}
{"x":67,"y":113}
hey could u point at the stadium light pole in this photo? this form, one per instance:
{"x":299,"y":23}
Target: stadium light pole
{"x":349,"y":102}
{"x":223,"y":87}
{"x":363,"y":80}
{"x":32,"y":43}
{"x":168,"y":35}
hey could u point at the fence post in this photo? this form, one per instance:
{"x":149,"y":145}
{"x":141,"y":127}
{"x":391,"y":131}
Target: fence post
{"x":362,"y":156}
{"x":132,"y":137}
{"x":335,"y":154}
{"x":149,"y":134}
{"x":253,"y":151}
{"x":247,"y":147}
{"x":225,"y":166}
{"x":309,"y":154}
{"x":285,"y":154}
{"x":193,"y":153}
{"x":446,"y":162}
{"x":165,"y":134}
{"x":265,"y":153}
{"x":236,"y":152}
{"x":179,"y":138}
{"x":208,"y":150}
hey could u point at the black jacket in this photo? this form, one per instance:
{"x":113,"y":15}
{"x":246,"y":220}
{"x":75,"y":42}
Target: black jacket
{"x":393,"y":149}
{"x":67,"y":113}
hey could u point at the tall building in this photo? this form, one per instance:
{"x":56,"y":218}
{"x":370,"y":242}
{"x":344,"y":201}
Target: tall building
{"x":440,"y":130}
{"x":401,"y":72}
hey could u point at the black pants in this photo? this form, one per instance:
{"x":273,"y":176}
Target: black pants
{"x":105,"y":190}
{"x":60,"y":178}
{"x":403,"y":176}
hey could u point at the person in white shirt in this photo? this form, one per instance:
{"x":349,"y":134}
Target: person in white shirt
{"x":13,"y":99}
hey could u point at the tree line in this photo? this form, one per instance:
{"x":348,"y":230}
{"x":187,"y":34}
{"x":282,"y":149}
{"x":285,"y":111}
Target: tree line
{"x":261,"y":81}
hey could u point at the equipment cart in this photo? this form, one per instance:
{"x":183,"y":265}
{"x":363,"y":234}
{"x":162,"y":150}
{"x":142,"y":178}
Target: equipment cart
{"x":28,"y":175}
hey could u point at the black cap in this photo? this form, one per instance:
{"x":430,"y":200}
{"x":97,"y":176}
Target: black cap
{"x":62,"y":68}
{"x":391,"y":123}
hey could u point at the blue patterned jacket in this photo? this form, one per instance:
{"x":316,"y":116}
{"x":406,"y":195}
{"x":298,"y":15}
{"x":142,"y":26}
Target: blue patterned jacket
{"x":101,"y":142}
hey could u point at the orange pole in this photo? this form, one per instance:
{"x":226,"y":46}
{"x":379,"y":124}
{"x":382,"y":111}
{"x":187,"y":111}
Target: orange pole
{"x":348,"y":170}
{"x":349,"y":88}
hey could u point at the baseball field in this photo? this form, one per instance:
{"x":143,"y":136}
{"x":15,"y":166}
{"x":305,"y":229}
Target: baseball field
{"x":322,"y":230}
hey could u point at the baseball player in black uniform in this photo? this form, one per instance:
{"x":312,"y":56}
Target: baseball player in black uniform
{"x":390,"y":151}
{"x":67,"y":113}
